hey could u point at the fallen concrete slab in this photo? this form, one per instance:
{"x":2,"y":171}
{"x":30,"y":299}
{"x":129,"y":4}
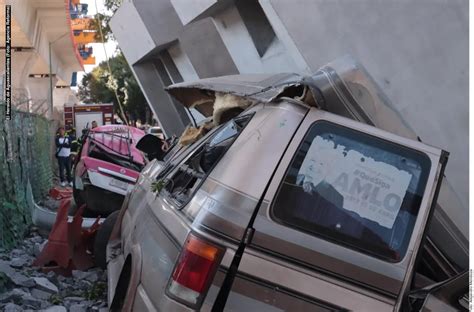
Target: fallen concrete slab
{"x":44,"y":218}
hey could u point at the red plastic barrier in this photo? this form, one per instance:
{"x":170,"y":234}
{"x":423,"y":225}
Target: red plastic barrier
{"x":60,"y":193}
{"x":67,"y":245}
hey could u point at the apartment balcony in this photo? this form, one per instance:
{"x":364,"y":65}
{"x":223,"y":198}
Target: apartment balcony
{"x":84,"y":23}
{"x":82,"y":37}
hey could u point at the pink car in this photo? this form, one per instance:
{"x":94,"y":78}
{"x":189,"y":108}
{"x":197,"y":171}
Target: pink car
{"x":107,"y":166}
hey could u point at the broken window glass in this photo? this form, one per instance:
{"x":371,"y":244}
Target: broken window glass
{"x":190,"y":174}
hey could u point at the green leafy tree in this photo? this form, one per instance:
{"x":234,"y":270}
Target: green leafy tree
{"x":94,"y":89}
{"x":98,"y":87}
{"x":104,"y":19}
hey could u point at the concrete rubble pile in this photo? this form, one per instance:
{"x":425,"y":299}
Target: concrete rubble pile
{"x":25,"y":288}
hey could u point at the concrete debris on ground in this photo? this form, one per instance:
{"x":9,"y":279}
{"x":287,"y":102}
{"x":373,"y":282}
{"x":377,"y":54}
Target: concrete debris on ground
{"x":25,"y":288}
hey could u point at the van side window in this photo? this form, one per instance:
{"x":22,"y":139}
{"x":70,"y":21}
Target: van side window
{"x":182,"y":183}
{"x":354,"y":189}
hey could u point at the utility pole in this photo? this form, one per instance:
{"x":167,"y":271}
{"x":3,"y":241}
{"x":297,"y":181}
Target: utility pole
{"x":51,"y":75}
{"x":50,"y":84}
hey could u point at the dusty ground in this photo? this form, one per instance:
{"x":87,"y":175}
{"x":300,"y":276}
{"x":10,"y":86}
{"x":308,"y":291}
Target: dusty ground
{"x":24,"y":288}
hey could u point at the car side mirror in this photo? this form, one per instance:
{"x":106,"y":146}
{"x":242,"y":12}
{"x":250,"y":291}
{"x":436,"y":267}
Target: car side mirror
{"x":151,"y":146}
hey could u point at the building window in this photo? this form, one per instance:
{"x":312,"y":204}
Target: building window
{"x":257,"y":24}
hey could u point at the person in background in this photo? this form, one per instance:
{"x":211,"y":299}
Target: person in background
{"x":63,"y":153}
{"x":74,"y":144}
{"x":94,"y":124}
{"x":71,"y":133}
{"x":77,"y":144}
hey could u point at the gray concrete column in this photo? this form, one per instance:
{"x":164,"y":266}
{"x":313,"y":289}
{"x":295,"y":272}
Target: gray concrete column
{"x":160,"y":101}
{"x":416,"y":50}
{"x":202,"y":42}
{"x":61,"y":97}
{"x":39,"y":93}
{"x":21,"y":63}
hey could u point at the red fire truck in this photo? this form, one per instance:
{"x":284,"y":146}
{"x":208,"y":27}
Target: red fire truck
{"x":80,"y":116}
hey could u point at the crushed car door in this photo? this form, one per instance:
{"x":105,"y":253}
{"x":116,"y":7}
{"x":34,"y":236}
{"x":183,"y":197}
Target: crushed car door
{"x":341,"y":222}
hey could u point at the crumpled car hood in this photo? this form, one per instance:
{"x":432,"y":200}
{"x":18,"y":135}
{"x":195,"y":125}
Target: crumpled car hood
{"x":114,"y":138}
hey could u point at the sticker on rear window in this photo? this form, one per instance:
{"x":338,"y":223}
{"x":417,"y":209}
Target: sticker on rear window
{"x":373,"y":189}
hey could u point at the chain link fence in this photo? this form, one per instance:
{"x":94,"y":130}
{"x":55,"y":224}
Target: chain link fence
{"x":25,"y":159}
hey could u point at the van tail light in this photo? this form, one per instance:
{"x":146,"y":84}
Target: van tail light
{"x":194,"y":271}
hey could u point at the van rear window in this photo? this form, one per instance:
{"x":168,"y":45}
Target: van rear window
{"x":354,"y":189}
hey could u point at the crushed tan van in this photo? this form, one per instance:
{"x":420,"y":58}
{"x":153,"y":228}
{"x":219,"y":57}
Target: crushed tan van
{"x":313,"y":196}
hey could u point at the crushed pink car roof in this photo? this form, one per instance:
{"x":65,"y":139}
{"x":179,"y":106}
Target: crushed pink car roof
{"x":114,"y":137}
